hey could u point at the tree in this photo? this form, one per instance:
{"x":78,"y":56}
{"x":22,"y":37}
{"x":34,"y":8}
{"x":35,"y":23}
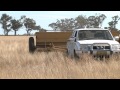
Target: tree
{"x":91,"y":21}
{"x":111,"y":25}
{"x":114,"y":22}
{"x":95,"y":21}
{"x":16,"y":24}
{"x":29,"y":24}
{"x":80,"y":21}
{"x":42,"y":30}
{"x":5,"y":22}
{"x":37,"y":28}
{"x":53,"y":26}
{"x":63,"y":24}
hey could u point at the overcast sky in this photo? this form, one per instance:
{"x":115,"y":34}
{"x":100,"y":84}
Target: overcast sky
{"x":44,"y":18}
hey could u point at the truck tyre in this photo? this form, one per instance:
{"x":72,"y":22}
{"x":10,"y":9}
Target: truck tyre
{"x":75,"y":55}
{"x":67,"y":52}
{"x":31,"y":45}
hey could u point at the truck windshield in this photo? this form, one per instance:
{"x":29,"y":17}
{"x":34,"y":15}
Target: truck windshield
{"x":94,"y":34}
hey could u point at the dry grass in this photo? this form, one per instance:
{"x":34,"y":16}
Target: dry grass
{"x":17,"y":63}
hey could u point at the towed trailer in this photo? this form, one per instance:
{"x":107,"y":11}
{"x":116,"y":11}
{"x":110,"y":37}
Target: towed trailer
{"x":47,"y":41}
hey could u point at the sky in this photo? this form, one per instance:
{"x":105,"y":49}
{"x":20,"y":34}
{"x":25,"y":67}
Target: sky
{"x":44,"y":18}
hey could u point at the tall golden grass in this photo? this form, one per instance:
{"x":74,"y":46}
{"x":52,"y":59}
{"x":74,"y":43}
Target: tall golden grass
{"x":17,"y":63}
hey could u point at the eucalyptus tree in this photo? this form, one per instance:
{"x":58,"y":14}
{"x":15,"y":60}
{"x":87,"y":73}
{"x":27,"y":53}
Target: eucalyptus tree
{"x":5,"y":21}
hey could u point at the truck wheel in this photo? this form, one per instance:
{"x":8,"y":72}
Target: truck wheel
{"x":31,"y":45}
{"x":67,"y":53}
{"x":75,"y":55}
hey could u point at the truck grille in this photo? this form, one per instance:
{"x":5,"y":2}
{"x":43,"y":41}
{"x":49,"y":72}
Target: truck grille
{"x":101,"y":47}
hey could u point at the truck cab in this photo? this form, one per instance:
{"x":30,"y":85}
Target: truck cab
{"x":96,"y":41}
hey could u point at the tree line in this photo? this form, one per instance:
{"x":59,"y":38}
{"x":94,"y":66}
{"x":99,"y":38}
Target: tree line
{"x":9,"y":23}
{"x":82,"y":21}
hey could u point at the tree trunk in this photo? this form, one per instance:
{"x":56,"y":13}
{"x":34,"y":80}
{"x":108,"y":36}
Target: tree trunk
{"x":15,"y":32}
{"x":6,"y":34}
{"x":27,"y":32}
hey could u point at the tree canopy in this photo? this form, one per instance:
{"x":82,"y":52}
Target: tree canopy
{"x":79,"y":22}
{"x":15,"y":25}
{"x":5,"y":22}
{"x":114,"y":22}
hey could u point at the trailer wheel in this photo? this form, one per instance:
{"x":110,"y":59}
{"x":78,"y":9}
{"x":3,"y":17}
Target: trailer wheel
{"x":31,"y":45}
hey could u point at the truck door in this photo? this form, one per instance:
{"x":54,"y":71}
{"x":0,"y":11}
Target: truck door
{"x":72,"y":42}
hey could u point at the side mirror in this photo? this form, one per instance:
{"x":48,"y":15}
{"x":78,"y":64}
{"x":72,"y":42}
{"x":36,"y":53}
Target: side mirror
{"x":116,"y":38}
{"x":70,"y":39}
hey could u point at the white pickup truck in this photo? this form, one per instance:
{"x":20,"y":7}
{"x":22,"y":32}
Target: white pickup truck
{"x":96,"y":41}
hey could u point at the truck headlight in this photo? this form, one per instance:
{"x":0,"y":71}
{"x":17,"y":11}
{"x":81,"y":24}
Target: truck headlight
{"x":115,"y":47}
{"x":85,"y":47}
